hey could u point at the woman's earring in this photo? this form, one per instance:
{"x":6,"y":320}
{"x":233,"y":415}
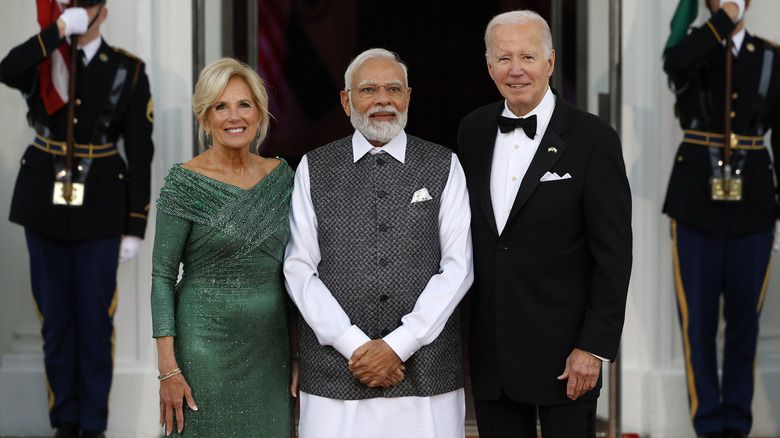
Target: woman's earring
{"x":256,"y":141}
{"x":208,"y":139}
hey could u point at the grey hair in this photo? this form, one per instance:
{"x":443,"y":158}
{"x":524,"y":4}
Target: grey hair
{"x":372,"y":54}
{"x":520,"y":17}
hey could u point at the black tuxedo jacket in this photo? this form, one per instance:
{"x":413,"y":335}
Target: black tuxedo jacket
{"x":116,"y":199}
{"x":696,"y":70}
{"x":556,"y":278}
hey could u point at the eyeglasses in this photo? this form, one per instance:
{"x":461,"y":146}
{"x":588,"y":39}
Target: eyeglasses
{"x":370,"y":90}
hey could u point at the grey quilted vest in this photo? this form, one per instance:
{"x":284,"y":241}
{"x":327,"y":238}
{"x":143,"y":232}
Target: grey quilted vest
{"x":378,"y":252}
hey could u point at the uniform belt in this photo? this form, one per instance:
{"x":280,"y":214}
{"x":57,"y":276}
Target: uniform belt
{"x":711,"y":139}
{"x":81,"y":151}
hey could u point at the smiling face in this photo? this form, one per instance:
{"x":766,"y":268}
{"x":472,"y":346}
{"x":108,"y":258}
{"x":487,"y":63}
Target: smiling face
{"x":382,"y":115}
{"x":519,"y":66}
{"x":234,"y":119}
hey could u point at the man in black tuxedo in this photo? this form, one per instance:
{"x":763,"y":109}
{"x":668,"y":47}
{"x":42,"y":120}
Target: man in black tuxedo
{"x":75,"y":243}
{"x":551,"y":227}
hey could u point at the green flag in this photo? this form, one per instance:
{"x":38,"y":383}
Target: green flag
{"x":686,"y":12}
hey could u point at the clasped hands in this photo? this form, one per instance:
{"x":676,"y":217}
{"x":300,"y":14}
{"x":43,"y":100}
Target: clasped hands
{"x":376,"y":364}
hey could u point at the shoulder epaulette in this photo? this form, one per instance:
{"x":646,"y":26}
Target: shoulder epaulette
{"x":128,"y":54}
{"x":769,"y":43}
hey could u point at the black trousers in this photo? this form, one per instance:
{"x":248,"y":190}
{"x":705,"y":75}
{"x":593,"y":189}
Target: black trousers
{"x":505,"y":418}
{"x":74,"y":286}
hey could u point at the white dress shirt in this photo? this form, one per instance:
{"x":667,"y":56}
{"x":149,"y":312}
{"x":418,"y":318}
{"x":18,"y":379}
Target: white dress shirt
{"x":90,"y":49}
{"x":736,"y":40}
{"x":512,"y":154}
{"x":418,"y":328}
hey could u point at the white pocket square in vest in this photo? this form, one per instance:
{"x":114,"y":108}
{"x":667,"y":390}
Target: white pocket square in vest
{"x":421,"y":195}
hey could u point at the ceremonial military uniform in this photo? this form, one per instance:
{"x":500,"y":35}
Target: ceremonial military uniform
{"x":722,"y":247}
{"x":74,"y":248}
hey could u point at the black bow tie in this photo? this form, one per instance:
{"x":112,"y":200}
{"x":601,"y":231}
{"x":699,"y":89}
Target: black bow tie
{"x":528,"y":124}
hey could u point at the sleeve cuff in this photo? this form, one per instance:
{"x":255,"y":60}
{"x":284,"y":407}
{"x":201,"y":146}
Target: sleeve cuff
{"x":350,"y":341}
{"x":599,"y":357}
{"x":136,"y":225}
{"x":402,"y":342}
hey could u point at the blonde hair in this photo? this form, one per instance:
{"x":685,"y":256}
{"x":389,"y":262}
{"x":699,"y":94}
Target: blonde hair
{"x":211,"y":83}
{"x":520,"y":17}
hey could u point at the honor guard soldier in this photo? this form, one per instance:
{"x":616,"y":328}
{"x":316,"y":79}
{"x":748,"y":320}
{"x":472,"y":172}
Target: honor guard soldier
{"x":83,"y":205}
{"x":722,"y":202}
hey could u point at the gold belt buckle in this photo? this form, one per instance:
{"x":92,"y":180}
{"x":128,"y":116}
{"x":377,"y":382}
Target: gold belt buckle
{"x":726,"y":189}
{"x":76,"y":198}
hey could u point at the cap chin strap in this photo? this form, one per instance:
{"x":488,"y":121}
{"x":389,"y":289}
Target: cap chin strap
{"x":100,"y":9}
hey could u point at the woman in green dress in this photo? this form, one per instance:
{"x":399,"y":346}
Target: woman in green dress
{"x":222,"y":330}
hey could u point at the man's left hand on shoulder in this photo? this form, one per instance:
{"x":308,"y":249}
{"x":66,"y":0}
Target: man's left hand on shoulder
{"x":582,"y":371}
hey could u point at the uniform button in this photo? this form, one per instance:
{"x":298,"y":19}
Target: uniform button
{"x":108,"y":124}
{"x":735,"y":96}
{"x":78,"y":101}
{"x":514,"y":178}
{"x":121,"y":176}
{"x":679,"y":158}
{"x":383,"y":262}
{"x":381,"y":193}
{"x":25,"y":161}
{"x":383,"y":228}
{"x":75,"y":121}
{"x":385,"y":332}
{"x":517,"y":146}
{"x":733,"y":114}
{"x":383,"y":298}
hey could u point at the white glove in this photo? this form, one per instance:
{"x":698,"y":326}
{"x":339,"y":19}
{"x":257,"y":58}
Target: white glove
{"x":740,"y":4}
{"x":128,"y":249}
{"x":76,"y":21}
{"x":776,"y":242}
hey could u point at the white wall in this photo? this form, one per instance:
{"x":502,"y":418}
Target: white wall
{"x":159,"y":32}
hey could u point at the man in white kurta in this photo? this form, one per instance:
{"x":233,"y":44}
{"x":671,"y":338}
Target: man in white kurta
{"x":376,"y":99}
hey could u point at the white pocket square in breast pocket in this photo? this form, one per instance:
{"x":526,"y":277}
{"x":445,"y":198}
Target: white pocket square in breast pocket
{"x":421,"y":195}
{"x":554,"y":177}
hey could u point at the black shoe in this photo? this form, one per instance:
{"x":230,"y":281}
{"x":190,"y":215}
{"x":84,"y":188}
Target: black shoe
{"x":86,"y":434}
{"x":712,"y":435}
{"x":67,"y":430}
{"x":734,"y":433}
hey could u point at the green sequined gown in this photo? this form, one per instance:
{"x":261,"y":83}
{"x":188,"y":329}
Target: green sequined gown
{"x":229,"y":312}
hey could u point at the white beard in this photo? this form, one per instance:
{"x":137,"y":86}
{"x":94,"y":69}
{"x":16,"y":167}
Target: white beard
{"x":382,"y":132}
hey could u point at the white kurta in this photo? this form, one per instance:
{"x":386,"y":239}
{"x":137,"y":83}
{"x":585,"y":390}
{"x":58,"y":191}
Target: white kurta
{"x":439,"y":416}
